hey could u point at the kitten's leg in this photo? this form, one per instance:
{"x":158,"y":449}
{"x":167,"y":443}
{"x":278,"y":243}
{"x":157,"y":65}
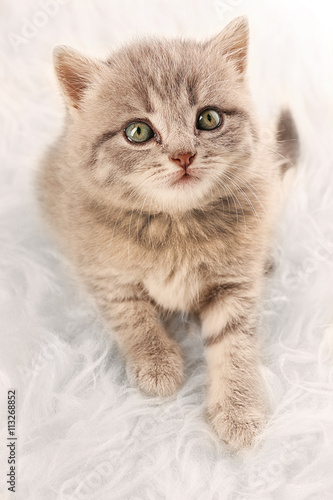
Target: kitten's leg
{"x":154,"y":361}
{"x":236,"y":402}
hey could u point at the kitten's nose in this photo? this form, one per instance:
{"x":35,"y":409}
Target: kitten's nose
{"x":183,"y":159}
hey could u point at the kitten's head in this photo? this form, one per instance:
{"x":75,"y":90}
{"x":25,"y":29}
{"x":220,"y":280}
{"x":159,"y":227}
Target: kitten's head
{"x":161,"y":124}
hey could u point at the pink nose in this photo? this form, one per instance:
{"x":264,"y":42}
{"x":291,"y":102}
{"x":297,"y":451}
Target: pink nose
{"x":183,"y":159}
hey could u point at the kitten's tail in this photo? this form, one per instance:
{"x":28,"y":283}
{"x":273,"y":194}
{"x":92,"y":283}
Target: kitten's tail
{"x":287,"y":141}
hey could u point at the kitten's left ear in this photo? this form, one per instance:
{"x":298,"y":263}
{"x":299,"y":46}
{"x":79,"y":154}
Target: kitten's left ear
{"x":232,"y":43}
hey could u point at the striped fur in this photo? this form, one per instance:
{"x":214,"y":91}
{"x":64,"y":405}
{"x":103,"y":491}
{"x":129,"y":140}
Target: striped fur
{"x":145,"y":247}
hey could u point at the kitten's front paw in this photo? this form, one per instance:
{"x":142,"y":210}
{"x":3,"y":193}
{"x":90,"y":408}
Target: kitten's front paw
{"x":159,"y":370}
{"x":238,"y":429}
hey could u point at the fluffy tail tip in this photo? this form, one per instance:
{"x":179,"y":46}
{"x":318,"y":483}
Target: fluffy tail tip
{"x":287,"y":140}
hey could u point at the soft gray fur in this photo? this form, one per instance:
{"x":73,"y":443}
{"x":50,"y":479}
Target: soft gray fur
{"x":143,"y":241}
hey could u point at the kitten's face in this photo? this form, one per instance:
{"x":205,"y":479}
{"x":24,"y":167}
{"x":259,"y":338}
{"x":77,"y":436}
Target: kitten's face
{"x":166,"y":126}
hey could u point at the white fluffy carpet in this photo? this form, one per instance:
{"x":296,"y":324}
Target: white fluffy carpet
{"x":83,"y":431}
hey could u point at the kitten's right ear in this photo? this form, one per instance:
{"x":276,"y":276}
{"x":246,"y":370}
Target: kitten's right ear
{"x":75,"y":73}
{"x":232,"y":43}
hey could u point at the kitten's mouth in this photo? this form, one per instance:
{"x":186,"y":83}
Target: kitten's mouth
{"x":185,"y":179}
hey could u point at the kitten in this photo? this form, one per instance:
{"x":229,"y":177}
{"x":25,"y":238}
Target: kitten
{"x":163,"y":194}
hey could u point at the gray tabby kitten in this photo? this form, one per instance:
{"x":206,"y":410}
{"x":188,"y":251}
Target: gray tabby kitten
{"x":163,"y":195}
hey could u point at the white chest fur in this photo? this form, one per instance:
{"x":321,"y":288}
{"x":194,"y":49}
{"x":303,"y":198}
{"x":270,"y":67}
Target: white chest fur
{"x":174,"y":289}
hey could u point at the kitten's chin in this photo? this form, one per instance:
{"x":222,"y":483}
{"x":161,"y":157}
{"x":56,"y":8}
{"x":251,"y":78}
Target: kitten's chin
{"x":186,"y":193}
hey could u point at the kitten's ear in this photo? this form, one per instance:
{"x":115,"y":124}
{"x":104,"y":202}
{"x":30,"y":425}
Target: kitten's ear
{"x":75,"y":73}
{"x":232,"y":43}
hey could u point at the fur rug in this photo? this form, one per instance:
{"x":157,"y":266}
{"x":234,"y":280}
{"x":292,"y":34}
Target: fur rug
{"x":83,"y":431}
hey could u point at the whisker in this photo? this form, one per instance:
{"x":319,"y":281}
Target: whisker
{"x":239,"y":188}
{"x":246,"y":197}
{"x":234,"y":198}
{"x":247,"y":186}
{"x":279,"y":154}
{"x":137,"y":226}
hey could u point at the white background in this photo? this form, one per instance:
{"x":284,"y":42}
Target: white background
{"x":83,"y":430}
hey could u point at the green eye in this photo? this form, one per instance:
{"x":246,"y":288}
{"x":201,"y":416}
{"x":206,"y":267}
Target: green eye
{"x":139,"y":132}
{"x":209,"y":119}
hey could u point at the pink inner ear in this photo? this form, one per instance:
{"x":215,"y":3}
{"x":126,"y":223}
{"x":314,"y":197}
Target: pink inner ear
{"x":75,"y":72}
{"x":238,"y":54}
{"x":74,"y":84}
{"x":232,"y":43}
{"x":237,"y":43}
